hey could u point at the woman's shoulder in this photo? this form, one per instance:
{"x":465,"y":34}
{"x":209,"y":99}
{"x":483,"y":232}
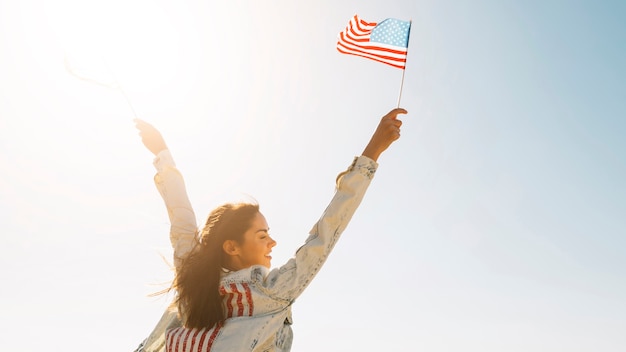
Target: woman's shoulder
{"x":255,"y":273}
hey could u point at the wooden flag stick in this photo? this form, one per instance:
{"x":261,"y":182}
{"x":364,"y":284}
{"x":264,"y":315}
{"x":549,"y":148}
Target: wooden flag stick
{"x":401,"y":85}
{"x":404,"y":69}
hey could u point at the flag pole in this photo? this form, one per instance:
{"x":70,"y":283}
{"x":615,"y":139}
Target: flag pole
{"x":404,"y":68}
{"x":401,"y":85}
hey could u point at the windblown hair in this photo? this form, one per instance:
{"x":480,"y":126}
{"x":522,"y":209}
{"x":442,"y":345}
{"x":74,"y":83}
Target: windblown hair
{"x":198,"y":277}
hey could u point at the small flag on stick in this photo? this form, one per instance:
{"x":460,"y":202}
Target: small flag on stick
{"x":386,"y":41}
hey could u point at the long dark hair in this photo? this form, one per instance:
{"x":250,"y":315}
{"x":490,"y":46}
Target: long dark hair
{"x":198,"y":277}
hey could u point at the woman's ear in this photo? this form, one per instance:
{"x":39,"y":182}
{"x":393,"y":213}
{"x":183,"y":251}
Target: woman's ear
{"x":231,"y":247}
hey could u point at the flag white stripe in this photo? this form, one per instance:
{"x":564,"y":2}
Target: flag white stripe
{"x":189,"y":339}
{"x":399,"y":64}
{"x":383,"y":56}
{"x":376,"y":49}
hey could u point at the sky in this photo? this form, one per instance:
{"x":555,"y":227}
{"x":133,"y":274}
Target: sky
{"x":495,"y":223}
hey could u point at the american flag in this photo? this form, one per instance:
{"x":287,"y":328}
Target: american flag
{"x":386,"y":42}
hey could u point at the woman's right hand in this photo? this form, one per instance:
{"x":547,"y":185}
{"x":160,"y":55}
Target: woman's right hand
{"x":387,"y":132}
{"x":150,"y":136}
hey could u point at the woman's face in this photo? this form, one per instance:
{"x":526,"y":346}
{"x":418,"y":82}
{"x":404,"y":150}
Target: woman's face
{"x":257,"y":245}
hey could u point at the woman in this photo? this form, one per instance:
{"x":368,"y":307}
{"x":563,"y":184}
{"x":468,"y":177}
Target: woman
{"x":227,"y":299}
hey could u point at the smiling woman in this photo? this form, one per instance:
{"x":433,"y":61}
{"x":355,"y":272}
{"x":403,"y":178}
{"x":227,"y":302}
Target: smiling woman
{"x":227,"y":298}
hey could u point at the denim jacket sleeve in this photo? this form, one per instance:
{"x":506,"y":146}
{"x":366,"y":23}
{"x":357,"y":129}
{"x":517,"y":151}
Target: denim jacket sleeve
{"x":183,"y":230}
{"x":170,"y":183}
{"x":290,"y":280}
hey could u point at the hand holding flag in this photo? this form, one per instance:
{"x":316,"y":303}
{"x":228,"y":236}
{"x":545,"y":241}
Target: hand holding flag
{"x":387,"y":132}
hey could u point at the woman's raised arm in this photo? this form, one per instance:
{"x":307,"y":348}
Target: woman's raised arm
{"x":171,"y":186}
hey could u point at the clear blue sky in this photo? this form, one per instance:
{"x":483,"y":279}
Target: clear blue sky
{"x":496,"y":223}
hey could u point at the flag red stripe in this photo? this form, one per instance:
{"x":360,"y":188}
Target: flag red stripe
{"x":246,"y":287}
{"x":185,"y":339}
{"x":239,"y":299}
{"x":347,"y":42}
{"x":201,"y":342}
{"x":357,"y":37}
{"x":392,"y":61}
{"x":179,"y":336}
{"x":173,"y":334}
{"x":376,"y":53}
{"x":374,"y":58}
{"x":367,"y":26}
{"x":216,"y":330}
{"x":191,"y":339}
{"x":188,"y":337}
{"x":168,"y":340}
{"x":229,"y":303}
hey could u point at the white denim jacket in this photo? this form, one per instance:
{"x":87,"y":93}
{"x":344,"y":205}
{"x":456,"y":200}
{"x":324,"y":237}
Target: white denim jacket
{"x":257,"y":301}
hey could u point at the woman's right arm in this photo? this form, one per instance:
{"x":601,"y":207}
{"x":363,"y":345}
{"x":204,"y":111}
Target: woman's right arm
{"x":170,"y":183}
{"x":290,"y":280}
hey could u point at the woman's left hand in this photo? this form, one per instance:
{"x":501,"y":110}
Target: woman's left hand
{"x":150,"y":136}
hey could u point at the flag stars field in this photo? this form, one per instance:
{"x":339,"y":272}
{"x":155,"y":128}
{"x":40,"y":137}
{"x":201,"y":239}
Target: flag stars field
{"x":393,"y":32}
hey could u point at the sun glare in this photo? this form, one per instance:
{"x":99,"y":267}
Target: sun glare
{"x":150,"y":51}
{"x":107,"y":44}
